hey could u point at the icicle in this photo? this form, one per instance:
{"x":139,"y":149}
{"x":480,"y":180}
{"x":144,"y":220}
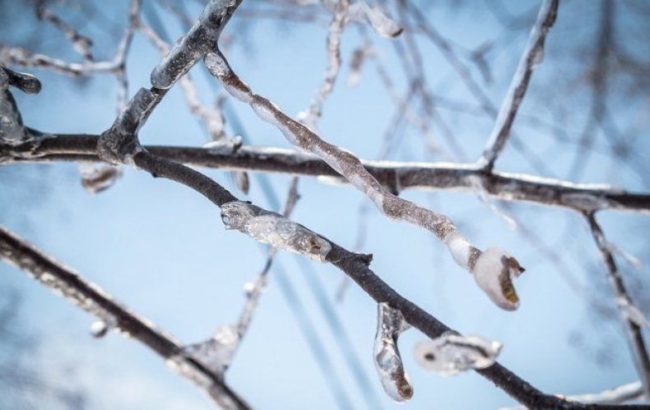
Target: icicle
{"x":452,"y":353}
{"x":632,"y":312}
{"x":390,"y":324}
{"x":274,"y":229}
{"x":494,"y":271}
{"x":379,"y":21}
{"x":99,"y":329}
{"x":216,"y":353}
{"x":98,"y":178}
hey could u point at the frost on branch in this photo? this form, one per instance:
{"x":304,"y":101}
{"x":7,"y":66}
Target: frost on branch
{"x":98,"y":178}
{"x":388,"y":361}
{"x":217,"y":352}
{"x":274,"y":229}
{"x":493,"y":269}
{"x":452,"y":353}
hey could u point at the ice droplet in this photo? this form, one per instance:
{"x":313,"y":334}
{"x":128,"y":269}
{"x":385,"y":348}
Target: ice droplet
{"x":274,"y":229}
{"x":494,"y":271}
{"x":99,"y":329}
{"x":388,"y":361}
{"x":452,"y":353}
{"x":217,"y":352}
{"x":98,"y":178}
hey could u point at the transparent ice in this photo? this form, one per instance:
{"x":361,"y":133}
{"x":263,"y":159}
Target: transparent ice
{"x":388,"y":361}
{"x":217,"y":352}
{"x":452,"y":353}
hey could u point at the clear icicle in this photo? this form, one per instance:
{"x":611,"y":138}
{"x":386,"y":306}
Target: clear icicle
{"x":274,"y":229}
{"x":380,"y":22}
{"x":632,"y":312}
{"x":452,"y":353}
{"x":217,"y":352}
{"x":98,"y":178}
{"x":388,"y":361}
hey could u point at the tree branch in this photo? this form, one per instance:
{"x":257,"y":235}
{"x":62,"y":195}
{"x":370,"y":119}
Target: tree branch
{"x":95,"y":301}
{"x":396,"y":176}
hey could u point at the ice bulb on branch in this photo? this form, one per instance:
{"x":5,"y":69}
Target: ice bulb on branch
{"x":388,"y":361}
{"x":274,"y":229}
{"x":452,"y":353}
{"x":493,"y":269}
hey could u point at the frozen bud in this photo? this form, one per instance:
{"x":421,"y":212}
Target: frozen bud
{"x":99,"y":329}
{"x":216,"y":353}
{"x":494,"y":271}
{"x":388,"y":361}
{"x":452,"y":353}
{"x":274,"y":229}
{"x":98,"y":178}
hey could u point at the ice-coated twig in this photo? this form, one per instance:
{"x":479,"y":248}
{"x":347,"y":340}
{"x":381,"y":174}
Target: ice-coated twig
{"x":337,"y":25}
{"x":376,"y":17}
{"x":80,"y":43}
{"x":624,"y":301}
{"x":199,"y":40}
{"x":406,"y":175}
{"x":532,"y":56}
{"x":98,"y":303}
{"x":617,"y":395}
{"x":347,"y":165}
{"x":451,"y":353}
{"x":388,"y":361}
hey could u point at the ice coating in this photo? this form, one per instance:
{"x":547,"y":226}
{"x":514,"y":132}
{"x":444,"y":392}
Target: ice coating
{"x":632,"y":312}
{"x":274,"y":229}
{"x":375,"y":16}
{"x":451,"y":353}
{"x":98,"y":178}
{"x":388,"y":361}
{"x":217,"y":352}
{"x":494,"y":272}
{"x":199,"y":40}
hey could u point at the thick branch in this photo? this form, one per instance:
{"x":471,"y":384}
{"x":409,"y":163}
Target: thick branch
{"x":95,"y":301}
{"x":397,"y":176}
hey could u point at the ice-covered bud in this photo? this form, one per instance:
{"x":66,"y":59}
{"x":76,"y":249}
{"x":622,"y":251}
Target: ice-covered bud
{"x":216,"y":353}
{"x":388,"y":361}
{"x":98,"y":178}
{"x":274,"y":229}
{"x":452,"y":353}
{"x":494,"y":271}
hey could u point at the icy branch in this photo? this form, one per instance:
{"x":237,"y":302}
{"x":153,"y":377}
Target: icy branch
{"x":533,"y":56}
{"x":625,"y":305}
{"x":451,"y":353}
{"x":89,"y":297}
{"x":388,"y":361}
{"x":407,"y":175}
{"x":274,"y":229}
